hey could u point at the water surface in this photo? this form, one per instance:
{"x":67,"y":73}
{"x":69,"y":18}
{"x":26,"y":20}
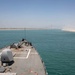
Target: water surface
{"x":56,"y":47}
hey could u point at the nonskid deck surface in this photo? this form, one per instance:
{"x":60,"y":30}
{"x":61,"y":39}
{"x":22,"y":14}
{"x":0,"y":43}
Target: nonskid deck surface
{"x":26,"y":62}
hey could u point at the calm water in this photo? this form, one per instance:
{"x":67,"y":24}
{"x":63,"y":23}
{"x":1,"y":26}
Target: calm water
{"x":56,"y":47}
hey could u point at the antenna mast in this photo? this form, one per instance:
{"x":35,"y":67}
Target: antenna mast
{"x":25,"y":33}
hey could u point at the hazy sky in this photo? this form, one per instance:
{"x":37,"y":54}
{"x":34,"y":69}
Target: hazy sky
{"x":37,"y":13}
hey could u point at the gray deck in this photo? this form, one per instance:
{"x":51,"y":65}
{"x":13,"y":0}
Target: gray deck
{"x":26,"y":62}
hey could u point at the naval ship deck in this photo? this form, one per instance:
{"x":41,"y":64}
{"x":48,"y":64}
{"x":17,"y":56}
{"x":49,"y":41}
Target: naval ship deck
{"x":27,"y":61}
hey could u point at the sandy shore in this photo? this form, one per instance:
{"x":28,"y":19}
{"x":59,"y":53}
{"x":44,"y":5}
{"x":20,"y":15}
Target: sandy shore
{"x":69,"y":30}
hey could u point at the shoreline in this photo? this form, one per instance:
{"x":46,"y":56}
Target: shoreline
{"x":24,"y":29}
{"x":69,"y":30}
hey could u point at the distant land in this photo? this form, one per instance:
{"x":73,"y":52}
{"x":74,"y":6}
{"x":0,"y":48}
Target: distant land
{"x":68,"y":29}
{"x":23,"y":28}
